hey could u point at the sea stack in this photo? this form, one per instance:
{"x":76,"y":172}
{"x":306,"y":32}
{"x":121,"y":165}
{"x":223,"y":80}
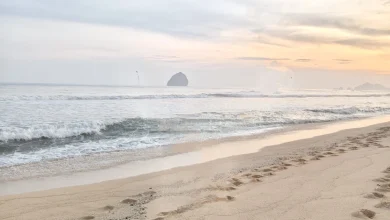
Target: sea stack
{"x":179,"y":79}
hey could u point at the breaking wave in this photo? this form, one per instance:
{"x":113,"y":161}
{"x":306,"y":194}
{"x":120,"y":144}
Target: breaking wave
{"x":351,"y":110}
{"x":206,"y":122}
{"x":184,"y":96}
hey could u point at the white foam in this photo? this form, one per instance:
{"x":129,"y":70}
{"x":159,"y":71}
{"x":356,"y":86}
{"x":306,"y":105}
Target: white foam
{"x":187,"y":96}
{"x":161,"y":116}
{"x":57,"y":130}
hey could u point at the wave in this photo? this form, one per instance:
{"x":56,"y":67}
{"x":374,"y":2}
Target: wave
{"x":350,"y":110}
{"x":50,"y":131}
{"x":20,"y":145}
{"x":204,"y":122}
{"x":185,"y":96}
{"x":111,"y":129}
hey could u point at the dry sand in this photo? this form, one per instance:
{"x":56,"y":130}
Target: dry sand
{"x":345,"y":175}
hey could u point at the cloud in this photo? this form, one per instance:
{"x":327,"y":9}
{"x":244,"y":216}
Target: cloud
{"x":274,"y":60}
{"x":342,"y":23}
{"x":362,"y":43}
{"x":262,"y":58}
{"x":173,"y":17}
{"x":325,"y":28}
{"x":343,"y":61}
{"x":263,"y":40}
{"x":170,"y":59}
{"x":164,"y":57}
{"x":303,"y":60}
{"x":294,"y":35}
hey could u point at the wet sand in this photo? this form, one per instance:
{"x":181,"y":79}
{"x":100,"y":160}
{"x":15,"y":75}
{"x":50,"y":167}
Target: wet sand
{"x":342,"y":175}
{"x":109,"y":166}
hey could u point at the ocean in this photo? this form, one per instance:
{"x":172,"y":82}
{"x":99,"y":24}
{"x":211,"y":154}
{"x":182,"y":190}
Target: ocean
{"x":42,"y":123}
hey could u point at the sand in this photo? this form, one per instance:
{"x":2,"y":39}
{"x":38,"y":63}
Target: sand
{"x":344,"y":175}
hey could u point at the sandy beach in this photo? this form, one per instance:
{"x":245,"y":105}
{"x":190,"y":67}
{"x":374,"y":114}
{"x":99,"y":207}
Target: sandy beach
{"x":195,"y":110}
{"x":342,"y":175}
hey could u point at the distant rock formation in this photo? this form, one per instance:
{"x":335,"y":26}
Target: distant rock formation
{"x":179,"y":79}
{"x":369,"y":86}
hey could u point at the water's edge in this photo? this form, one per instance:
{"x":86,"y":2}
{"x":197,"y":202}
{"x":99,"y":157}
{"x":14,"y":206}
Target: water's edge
{"x":193,"y":153}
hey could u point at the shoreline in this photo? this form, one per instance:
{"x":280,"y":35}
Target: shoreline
{"x":298,"y":179}
{"x":179,"y":155}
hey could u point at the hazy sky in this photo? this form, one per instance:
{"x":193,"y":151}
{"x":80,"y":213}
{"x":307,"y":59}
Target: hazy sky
{"x":263,"y":43}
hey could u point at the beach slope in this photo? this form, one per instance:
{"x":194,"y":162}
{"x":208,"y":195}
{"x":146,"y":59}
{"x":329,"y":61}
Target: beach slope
{"x":345,"y":175}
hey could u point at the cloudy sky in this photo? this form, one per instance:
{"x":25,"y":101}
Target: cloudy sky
{"x":287,"y":43}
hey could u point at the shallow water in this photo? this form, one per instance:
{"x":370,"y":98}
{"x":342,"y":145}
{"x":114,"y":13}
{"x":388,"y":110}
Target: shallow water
{"x":208,"y":153}
{"x":41,"y":123}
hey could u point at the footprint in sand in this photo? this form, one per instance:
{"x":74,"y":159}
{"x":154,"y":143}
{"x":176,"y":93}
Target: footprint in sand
{"x":222,"y":188}
{"x":267,"y":170}
{"x":89,"y":217}
{"x":383,"y":187}
{"x":256,"y":176}
{"x":236,"y":182}
{"x":283,"y":166}
{"x":328,"y":153}
{"x":364,"y":213}
{"x":353,"y":148}
{"x":207,"y":200}
{"x":316,"y":158}
{"x":382,"y":180}
{"x":129,"y":201}
{"x":374,"y":195}
{"x":230,"y":198}
{"x":383,"y":205}
{"x":254,"y":180}
{"x":108,"y":208}
{"x":340,"y":150}
{"x":300,"y":161}
{"x":280,"y":168}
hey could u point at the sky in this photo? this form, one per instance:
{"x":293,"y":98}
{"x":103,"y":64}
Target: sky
{"x":216,"y":43}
